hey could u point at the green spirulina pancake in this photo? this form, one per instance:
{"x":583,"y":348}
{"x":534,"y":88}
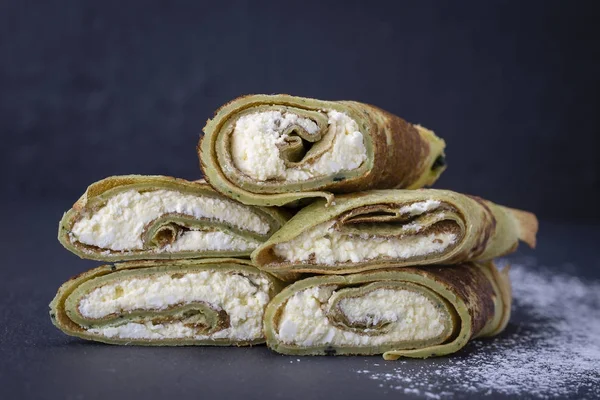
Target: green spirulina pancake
{"x":408,"y":312}
{"x":272,"y":150}
{"x":394,"y":228}
{"x":186,"y":302}
{"x":138,"y":217}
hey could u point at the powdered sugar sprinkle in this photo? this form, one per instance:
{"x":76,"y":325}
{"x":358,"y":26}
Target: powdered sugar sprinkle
{"x":553,"y":351}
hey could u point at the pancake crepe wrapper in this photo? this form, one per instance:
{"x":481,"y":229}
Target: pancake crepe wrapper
{"x":474,"y":298}
{"x":398,"y":154}
{"x":204,"y":321}
{"x":135,"y":196}
{"x":325,"y":239}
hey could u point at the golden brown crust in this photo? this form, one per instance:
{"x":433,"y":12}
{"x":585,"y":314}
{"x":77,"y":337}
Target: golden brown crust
{"x":400,"y":151}
{"x":473,"y":287}
{"x":505,"y":292}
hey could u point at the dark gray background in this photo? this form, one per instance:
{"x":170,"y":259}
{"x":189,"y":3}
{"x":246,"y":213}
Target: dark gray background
{"x":90,"y":89}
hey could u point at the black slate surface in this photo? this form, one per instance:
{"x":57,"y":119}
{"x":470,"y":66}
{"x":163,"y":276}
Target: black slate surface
{"x":38,"y":361}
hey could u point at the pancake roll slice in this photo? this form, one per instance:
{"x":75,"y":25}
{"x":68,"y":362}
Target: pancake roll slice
{"x":186,"y":302}
{"x":272,"y":150}
{"x":409,"y":312}
{"x":394,"y":228}
{"x":138,"y":217}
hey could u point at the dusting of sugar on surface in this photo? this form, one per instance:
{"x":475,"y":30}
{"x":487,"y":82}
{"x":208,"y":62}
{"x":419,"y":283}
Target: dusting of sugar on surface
{"x":550,"y":349}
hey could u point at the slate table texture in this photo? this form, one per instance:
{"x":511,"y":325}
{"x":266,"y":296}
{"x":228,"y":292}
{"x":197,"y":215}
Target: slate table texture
{"x":38,"y":362}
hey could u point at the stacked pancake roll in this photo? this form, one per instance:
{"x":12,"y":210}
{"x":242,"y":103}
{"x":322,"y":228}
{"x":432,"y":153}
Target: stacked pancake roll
{"x":311,"y":232}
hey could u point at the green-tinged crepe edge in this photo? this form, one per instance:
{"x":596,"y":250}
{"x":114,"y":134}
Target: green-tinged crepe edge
{"x":490,"y":230}
{"x":476,"y":319}
{"x":61,"y":320}
{"x":99,"y":192}
{"x":324,"y":187}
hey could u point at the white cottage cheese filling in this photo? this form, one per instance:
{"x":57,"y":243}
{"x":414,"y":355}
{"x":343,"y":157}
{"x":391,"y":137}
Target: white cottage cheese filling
{"x":255,"y":138}
{"x":410,"y":315}
{"x":325,"y":245}
{"x":119,"y":224}
{"x":242,"y":298}
{"x":420,"y":207}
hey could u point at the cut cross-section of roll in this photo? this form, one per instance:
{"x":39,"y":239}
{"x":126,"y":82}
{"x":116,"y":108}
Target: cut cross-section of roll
{"x":277,"y":149}
{"x":155,"y":217}
{"x":411,"y":312}
{"x":376,"y":229}
{"x":186,"y":302}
